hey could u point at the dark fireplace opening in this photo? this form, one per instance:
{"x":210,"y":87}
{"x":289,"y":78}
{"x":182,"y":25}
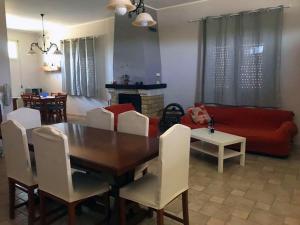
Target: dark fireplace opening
{"x":135,"y":99}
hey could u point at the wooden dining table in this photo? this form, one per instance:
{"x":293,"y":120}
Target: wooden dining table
{"x":112,"y":154}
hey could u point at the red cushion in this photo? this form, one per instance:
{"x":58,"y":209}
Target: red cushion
{"x":199,"y":114}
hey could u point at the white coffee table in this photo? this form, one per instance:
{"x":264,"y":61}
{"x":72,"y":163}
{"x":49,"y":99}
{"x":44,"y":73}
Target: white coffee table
{"x":214,"y":145}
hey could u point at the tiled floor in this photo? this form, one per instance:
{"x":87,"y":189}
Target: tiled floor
{"x":265,"y":192}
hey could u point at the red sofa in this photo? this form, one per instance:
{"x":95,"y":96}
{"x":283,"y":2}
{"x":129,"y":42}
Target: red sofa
{"x":120,"y":108}
{"x":268,"y":131}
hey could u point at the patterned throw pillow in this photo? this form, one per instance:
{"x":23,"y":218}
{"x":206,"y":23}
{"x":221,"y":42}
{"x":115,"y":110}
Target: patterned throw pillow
{"x":199,"y":114}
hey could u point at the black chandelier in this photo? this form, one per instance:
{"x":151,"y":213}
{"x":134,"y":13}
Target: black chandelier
{"x":133,"y":7}
{"x":43,"y":48}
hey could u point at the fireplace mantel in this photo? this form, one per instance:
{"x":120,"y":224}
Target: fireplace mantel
{"x":136,"y":86}
{"x":152,"y":96}
{"x":143,"y":89}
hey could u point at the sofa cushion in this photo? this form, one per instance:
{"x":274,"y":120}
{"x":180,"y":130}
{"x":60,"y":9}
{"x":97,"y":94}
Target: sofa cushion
{"x":199,"y":114}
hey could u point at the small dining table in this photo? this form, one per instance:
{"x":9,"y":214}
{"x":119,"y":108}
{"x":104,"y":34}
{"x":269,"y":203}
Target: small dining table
{"x":115,"y":155}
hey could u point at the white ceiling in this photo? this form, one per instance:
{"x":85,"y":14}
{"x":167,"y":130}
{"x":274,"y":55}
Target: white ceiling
{"x":160,"y":4}
{"x":71,"y":12}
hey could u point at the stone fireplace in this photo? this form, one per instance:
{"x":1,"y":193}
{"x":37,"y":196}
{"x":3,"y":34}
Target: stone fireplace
{"x":147,"y":99}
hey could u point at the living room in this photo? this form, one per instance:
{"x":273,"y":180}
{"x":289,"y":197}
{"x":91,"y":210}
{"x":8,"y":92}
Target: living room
{"x":229,"y":66}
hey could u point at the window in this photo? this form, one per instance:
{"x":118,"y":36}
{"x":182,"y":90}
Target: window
{"x":241,"y":64}
{"x":12,"y":49}
{"x":251,"y":69}
{"x":80,"y":76}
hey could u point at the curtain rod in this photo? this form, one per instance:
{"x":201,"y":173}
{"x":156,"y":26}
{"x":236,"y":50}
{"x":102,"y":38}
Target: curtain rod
{"x":70,"y":39}
{"x":235,"y":14}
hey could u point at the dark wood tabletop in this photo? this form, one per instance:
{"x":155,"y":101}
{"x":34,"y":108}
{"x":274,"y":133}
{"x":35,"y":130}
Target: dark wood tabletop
{"x":106,"y":151}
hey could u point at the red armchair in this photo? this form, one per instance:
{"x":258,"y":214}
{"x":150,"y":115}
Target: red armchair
{"x":120,"y":108}
{"x":268,"y":131}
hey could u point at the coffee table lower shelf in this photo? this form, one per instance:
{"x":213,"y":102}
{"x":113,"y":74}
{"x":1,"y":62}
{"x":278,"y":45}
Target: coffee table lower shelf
{"x":219,"y":152}
{"x":213,"y":150}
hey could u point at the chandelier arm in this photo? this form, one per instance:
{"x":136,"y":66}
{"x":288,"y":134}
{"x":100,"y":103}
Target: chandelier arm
{"x":36,"y":44}
{"x":52,"y":45}
{"x":33,"y":45}
{"x":41,"y":49}
{"x":139,"y":5}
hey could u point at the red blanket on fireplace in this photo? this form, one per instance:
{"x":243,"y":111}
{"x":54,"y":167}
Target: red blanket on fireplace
{"x":120,"y":108}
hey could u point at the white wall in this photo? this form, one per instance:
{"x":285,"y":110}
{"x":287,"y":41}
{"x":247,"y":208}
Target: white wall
{"x":104,"y":30}
{"x":4,"y":62}
{"x":26,"y":69}
{"x":179,"y":46}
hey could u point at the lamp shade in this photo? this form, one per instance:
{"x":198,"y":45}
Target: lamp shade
{"x":31,"y":52}
{"x":57,"y":52}
{"x":144,"y":20}
{"x":119,"y":6}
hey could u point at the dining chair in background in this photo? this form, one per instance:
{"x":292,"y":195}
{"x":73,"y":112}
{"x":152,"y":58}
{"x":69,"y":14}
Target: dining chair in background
{"x":100,"y":118}
{"x":28,"y":118}
{"x":57,"y":108}
{"x":19,"y":167}
{"x":26,"y":100}
{"x":53,"y":167}
{"x":132,"y":122}
{"x":157,"y":191}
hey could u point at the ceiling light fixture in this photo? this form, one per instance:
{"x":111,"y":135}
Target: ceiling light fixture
{"x":121,"y":7}
{"x":43,"y":49}
{"x":133,"y":7}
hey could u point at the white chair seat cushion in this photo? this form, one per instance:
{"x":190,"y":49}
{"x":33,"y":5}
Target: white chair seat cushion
{"x":143,"y":191}
{"x":86,"y":186}
{"x":140,"y":170}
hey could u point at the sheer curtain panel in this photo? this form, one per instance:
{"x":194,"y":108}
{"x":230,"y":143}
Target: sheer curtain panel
{"x":80,"y":78}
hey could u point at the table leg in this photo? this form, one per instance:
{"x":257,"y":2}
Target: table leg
{"x":243,"y":153}
{"x":116,"y":184}
{"x":221,"y":159}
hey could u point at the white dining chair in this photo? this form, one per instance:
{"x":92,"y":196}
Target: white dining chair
{"x":19,"y":168}
{"x":28,"y":118}
{"x":51,"y":150}
{"x":132,"y":122}
{"x":157,"y":191}
{"x":100,"y":118}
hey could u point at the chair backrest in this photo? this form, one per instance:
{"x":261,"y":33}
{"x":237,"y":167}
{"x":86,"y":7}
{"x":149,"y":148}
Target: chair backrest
{"x":173,"y":160}
{"x":51,"y":151}
{"x":26,"y":99}
{"x":132,"y":122}
{"x":15,"y":145}
{"x":28,"y":118}
{"x":61,"y":100}
{"x":118,"y":109}
{"x":100,"y":118}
